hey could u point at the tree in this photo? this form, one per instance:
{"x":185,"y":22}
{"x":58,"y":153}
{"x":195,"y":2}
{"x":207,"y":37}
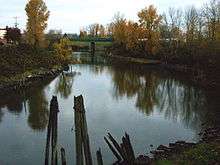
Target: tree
{"x":38,"y":15}
{"x":191,"y":21}
{"x":150,"y":22}
{"x":101,"y":31}
{"x":96,"y":29}
{"x":63,"y":50}
{"x":134,"y":33}
{"x":82,"y":34}
{"x":109,"y":29}
{"x":13,"y":35}
{"x":119,"y":29}
{"x":53,"y":36}
{"x":212,"y":15}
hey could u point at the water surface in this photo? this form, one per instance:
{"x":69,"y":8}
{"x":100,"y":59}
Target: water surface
{"x":152,"y":106}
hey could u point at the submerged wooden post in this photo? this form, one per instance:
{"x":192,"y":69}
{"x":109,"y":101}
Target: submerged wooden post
{"x":123,"y":152}
{"x":99,"y":157}
{"x":113,"y":150}
{"x":47,"y":150}
{"x":63,"y":156}
{"x":78,"y":133}
{"x":54,"y":131}
{"x":82,"y":137}
{"x":116,"y":145}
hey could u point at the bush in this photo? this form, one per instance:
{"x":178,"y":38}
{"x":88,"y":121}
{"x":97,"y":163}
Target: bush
{"x":203,"y":154}
{"x":63,"y":50}
{"x":18,"y":59}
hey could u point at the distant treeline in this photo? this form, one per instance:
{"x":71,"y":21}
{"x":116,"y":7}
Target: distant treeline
{"x":190,"y":37}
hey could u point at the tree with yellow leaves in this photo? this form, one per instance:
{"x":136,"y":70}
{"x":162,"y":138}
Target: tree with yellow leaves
{"x":63,"y":50}
{"x":119,"y":29}
{"x":133,"y":33}
{"x":150,"y":22}
{"x":38,"y":15}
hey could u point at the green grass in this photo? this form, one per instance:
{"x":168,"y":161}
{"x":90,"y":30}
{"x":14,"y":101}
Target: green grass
{"x":202,"y":154}
{"x":164,"y":162}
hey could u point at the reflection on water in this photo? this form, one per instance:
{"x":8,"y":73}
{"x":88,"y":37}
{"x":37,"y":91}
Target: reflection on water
{"x":64,"y":84}
{"x":38,"y":110}
{"x":154,"y":92}
{"x":34,"y":101}
{"x":153,"y":106}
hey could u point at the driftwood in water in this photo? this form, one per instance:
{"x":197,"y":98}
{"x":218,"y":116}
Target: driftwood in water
{"x":117,"y":146}
{"x":81,"y":133}
{"x":52,"y":133}
{"x":63,"y":156}
{"x":99,"y":157}
{"x":123,"y":152}
{"x":113,"y":150}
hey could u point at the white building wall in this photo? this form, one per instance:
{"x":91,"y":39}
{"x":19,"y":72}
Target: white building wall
{"x":2,"y":33}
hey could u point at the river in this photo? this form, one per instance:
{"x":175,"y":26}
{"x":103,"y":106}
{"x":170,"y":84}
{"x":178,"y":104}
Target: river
{"x":153,"y":106}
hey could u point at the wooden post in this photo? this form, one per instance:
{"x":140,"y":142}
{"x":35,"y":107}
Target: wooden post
{"x":125,"y":149}
{"x":92,"y":45}
{"x":116,"y":145}
{"x":86,"y":144}
{"x":54,"y":131}
{"x":63,"y":157}
{"x":130,"y":148}
{"x":99,"y":157}
{"x":78,"y":133}
{"x":81,"y":121}
{"x":112,"y":149}
{"x":47,"y":150}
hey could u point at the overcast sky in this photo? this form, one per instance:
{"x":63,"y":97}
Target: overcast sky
{"x":71,"y":15}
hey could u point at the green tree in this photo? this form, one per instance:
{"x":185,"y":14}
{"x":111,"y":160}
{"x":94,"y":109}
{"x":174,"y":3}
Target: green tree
{"x":38,"y":15}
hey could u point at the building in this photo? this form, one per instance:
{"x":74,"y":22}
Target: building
{"x":2,"y":36}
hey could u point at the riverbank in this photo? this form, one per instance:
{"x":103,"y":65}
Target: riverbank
{"x":23,"y":65}
{"x":134,"y":60}
{"x":205,"y":152}
{"x":205,"y":79}
{"x":28,"y":78}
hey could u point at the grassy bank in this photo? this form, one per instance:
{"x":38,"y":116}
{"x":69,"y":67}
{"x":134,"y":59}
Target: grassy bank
{"x":201,"y":154}
{"x":205,"y":152}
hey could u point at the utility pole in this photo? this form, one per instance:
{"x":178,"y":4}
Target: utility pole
{"x":16,"y":21}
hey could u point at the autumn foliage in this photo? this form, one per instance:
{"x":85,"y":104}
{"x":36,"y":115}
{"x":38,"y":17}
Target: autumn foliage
{"x":136,"y":36}
{"x":188,"y":36}
{"x":38,"y":15}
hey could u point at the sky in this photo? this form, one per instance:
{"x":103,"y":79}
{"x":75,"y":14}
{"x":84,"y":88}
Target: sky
{"x":71,"y":15}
